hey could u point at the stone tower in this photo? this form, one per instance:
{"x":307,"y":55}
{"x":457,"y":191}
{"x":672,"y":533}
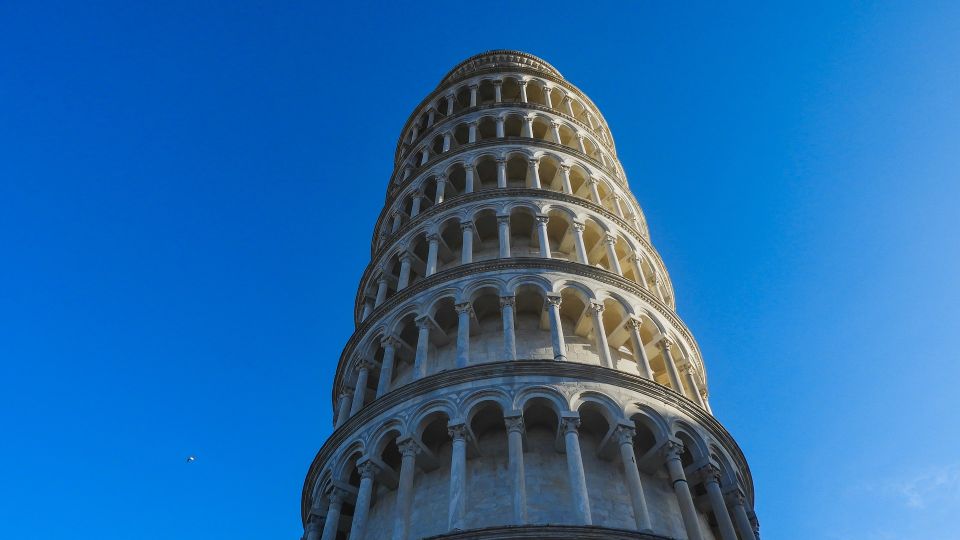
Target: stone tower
{"x":518,"y":369}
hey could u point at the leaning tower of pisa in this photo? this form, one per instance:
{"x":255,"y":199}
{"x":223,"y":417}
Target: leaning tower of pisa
{"x":518,"y":369}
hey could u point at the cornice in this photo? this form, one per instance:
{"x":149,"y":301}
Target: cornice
{"x":548,"y":532}
{"x":518,"y":368}
{"x":516,"y":263}
{"x":496,"y":58}
{"x":527,"y":194}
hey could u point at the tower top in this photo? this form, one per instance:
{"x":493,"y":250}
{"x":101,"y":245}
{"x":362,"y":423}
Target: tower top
{"x":499,"y":58}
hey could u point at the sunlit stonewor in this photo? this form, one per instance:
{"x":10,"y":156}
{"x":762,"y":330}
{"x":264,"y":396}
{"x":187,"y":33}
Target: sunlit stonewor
{"x":518,"y":369}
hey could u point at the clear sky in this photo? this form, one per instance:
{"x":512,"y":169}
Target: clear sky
{"x":188,"y":191}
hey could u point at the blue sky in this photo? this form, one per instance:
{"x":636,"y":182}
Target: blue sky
{"x":187,"y":194}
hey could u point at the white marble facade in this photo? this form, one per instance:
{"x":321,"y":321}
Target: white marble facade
{"x":518,"y":369}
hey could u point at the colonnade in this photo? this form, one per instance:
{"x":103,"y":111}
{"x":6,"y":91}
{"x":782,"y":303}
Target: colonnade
{"x":351,"y":401}
{"x":726,"y":503}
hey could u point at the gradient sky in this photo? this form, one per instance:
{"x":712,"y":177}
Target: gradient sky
{"x":188,"y":191}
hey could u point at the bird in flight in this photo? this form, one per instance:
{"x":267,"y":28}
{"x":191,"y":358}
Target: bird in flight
{"x":191,"y":459}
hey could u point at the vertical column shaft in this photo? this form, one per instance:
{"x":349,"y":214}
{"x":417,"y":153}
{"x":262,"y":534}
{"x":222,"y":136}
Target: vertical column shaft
{"x":515,"y":430}
{"x":332,"y":523}
{"x":556,"y":328}
{"x":408,"y":450}
{"x":458,"y":477}
{"x":672,"y":372}
{"x":434,"y":240}
{"x":509,"y":335}
{"x":603,"y":349}
{"x":711,"y":481}
{"x":542,"y":236}
{"x":639,"y":352}
{"x":464,"y":312}
{"x":386,"y":368}
{"x":362,"y":509}
{"x":578,"y":229}
{"x":578,"y":481}
{"x":503,"y":233}
{"x":466,"y":246}
{"x":501,"y":173}
{"x":688,"y":511}
{"x":360,"y":390}
{"x":631,"y":473}
{"x":423,"y":342}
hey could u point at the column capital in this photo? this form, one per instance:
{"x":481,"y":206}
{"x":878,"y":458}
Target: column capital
{"x":422,"y":322}
{"x":497,"y":82}
{"x":364,"y":365}
{"x":466,"y":225}
{"x":625,"y":434}
{"x":458,"y":432}
{"x":554,"y":299}
{"x":593,"y":180}
{"x":596,"y":307}
{"x":509,"y":300}
{"x":472,"y":86}
{"x":433,"y":237}
{"x":346,"y":394}
{"x":368,"y":469}
{"x":337,"y":495}
{"x":390,"y":341}
{"x":736,"y":497}
{"x":665,"y":344}
{"x":555,"y":123}
{"x":500,"y":160}
{"x":542,"y":219}
{"x":514,"y":424}
{"x":579,"y":226}
{"x":610,"y":239}
{"x":633,"y":323}
{"x":405,"y":256}
{"x":408,"y":446}
{"x":522,"y":82}
{"x":570,"y":424}
{"x":671,"y":450}
{"x":709,"y":472}
{"x":503,"y":219}
{"x":463,"y":307}
{"x":565,"y":167}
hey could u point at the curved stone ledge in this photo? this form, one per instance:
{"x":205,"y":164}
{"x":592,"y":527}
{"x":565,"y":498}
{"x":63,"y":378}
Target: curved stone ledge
{"x":513,"y":263}
{"x":520,"y":368}
{"x":548,"y":532}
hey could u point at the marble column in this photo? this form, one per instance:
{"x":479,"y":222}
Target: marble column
{"x":565,"y":179}
{"x":639,"y":352}
{"x":527,"y":127}
{"x":631,"y":474}
{"x":578,"y":481}
{"x":473,"y":95}
{"x":691,"y":376}
{"x":594,"y":191}
{"x":343,"y":408}
{"x":423,"y":342}
{"x":582,"y":147}
{"x":360,"y":390}
{"x":555,"y":128}
{"x":381,"y":290}
{"x":503,"y":233}
{"x":568,"y":103}
{"x":617,"y":204}
{"x":332,"y":523}
{"x":397,"y":220}
{"x":458,"y":477}
{"x":739,"y":511}
{"x":665,"y":346}
{"x":501,"y":133}
{"x":464,"y":313}
{"x":578,"y":229}
{"x":472,"y":132}
{"x":446,"y":141}
{"x":533,"y":172}
{"x":466,"y":246}
{"x":507,"y":304}
{"x":711,"y":482}
{"x":313,"y":530}
{"x":542,"y":235}
{"x":450,"y":99}
{"x":611,"y":242}
{"x":404,"y":279}
{"x":408,"y":452}
{"x":389,"y":344}
{"x":361,"y":510}
{"x":498,"y":91}
{"x":672,"y":451}
{"x":501,"y":173}
{"x":603,"y":349}
{"x":431,"y":117}
{"x":417,"y":203}
{"x":556,"y":327}
{"x":441,"y":187}
{"x":434,"y":240}
{"x":523,"y":91}
{"x":546,"y":97}
{"x":468,"y":178}
{"x":515,"y":429}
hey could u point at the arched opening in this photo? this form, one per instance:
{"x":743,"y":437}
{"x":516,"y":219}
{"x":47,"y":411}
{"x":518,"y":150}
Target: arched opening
{"x":449,"y":244}
{"x":561,"y":235}
{"x":487,"y":128}
{"x":486,"y":422}
{"x":615,"y":317}
{"x":577,"y":327}
{"x":486,"y":330}
{"x":486,"y":242}
{"x":486,"y":94}
{"x":594,"y":239}
{"x":532,"y":325}
{"x":456,"y":181}
{"x":524,"y":238}
{"x":443,"y":337}
{"x":541,"y":421}
{"x":517,"y":170}
{"x":513,"y":125}
{"x":550,"y":176}
{"x":510,"y":90}
{"x":486,"y":177}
